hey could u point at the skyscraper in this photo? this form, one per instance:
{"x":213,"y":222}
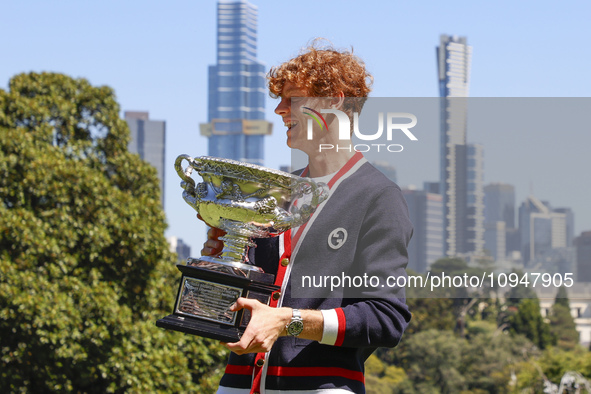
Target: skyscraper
{"x":453,"y":63}
{"x":179,"y":247}
{"x":148,"y":139}
{"x":474,"y":220}
{"x":499,"y":204}
{"x":461,"y":165}
{"x":237,"y":88}
{"x":499,"y":217}
{"x":583,"y":245}
{"x":426,"y":214}
{"x":570,"y":224}
{"x":541,"y":228}
{"x":495,"y":239}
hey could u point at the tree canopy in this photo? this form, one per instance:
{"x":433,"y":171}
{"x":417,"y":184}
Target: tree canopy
{"x":562,"y":324}
{"x":85,"y":268}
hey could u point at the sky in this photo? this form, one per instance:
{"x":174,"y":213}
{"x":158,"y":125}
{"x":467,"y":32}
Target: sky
{"x":155,"y":56}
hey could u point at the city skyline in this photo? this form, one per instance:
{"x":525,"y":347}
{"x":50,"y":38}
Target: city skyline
{"x":521,"y":50}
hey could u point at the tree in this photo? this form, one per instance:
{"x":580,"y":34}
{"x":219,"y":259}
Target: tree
{"x":432,"y":360}
{"x":381,"y":378}
{"x":528,"y":321}
{"x":516,"y":294}
{"x":465,"y":297}
{"x":562,"y":324}
{"x":438,"y":361}
{"x":85,"y":269}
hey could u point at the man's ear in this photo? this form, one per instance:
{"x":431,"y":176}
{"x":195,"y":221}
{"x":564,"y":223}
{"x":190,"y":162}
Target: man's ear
{"x":337,"y":101}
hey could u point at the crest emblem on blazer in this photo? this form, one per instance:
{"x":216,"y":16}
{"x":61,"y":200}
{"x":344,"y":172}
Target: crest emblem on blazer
{"x":337,"y":238}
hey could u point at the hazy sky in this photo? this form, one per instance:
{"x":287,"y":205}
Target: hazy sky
{"x":155,"y":55}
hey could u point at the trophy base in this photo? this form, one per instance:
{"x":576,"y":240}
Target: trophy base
{"x":206,"y":293}
{"x":201,"y":328}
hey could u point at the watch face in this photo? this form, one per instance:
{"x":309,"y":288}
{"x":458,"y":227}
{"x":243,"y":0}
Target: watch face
{"x":295,"y":328}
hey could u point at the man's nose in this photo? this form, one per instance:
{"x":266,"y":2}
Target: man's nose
{"x":282,"y":108}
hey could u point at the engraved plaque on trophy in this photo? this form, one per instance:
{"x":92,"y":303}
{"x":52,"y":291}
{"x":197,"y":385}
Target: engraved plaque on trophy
{"x":246,"y":201}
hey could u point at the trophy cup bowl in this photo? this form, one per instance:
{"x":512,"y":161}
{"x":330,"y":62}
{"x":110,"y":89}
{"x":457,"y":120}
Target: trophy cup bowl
{"x":246,"y":201}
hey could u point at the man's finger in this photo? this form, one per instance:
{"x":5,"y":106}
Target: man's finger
{"x":244,"y":345}
{"x":206,"y":251}
{"x":210,"y":243}
{"x":246,"y":303}
{"x":215,"y":233}
{"x":212,"y":247}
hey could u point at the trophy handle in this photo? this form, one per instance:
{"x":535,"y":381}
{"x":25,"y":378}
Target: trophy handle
{"x":185,"y":174}
{"x":296,"y":216}
{"x":192,"y":195}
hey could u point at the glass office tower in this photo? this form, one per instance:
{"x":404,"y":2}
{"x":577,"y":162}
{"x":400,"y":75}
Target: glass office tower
{"x":237,"y":88}
{"x":461,"y":167}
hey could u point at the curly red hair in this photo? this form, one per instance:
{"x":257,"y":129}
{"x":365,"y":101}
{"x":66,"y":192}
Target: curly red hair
{"x":323,"y":72}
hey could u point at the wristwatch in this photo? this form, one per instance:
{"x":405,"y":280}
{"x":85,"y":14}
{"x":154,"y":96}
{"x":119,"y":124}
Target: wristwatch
{"x":296,"y":325}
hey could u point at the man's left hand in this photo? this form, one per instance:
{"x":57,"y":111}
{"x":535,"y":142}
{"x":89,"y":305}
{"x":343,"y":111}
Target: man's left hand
{"x":265,"y":326}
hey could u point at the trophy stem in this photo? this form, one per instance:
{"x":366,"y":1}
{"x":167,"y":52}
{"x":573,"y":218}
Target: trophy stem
{"x":236,"y":247}
{"x":235,"y":251}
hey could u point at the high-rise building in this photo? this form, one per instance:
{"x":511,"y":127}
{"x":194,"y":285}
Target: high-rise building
{"x":541,"y":228}
{"x":559,"y":260}
{"x":583,"y":253}
{"x":148,"y":139}
{"x":513,"y":240}
{"x":453,"y":63}
{"x":179,"y":247}
{"x":474,"y":221}
{"x":495,"y":239}
{"x":426,"y":214}
{"x":499,"y":204}
{"x":432,"y":187}
{"x":570,"y":224}
{"x":499,"y":218}
{"x":237,"y":88}
{"x":461,"y":165}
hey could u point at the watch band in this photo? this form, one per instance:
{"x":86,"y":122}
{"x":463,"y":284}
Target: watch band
{"x":296,"y":325}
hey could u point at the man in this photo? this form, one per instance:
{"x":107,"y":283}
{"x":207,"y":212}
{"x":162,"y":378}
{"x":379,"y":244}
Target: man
{"x":306,"y":341}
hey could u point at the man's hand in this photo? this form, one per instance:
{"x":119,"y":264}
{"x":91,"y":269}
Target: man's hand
{"x":265,"y":326}
{"x":213,"y":246}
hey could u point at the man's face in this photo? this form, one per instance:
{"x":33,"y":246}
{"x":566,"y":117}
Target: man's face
{"x":290,"y":108}
{"x":293,"y":121}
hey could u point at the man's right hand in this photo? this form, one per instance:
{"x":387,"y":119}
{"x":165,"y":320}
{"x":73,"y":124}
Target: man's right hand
{"x":213,"y":246}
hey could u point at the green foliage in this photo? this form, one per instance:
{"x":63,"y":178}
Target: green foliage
{"x":500,"y":351}
{"x":432,"y":361}
{"x":517,"y":293}
{"x":449,"y":265}
{"x":431,"y":313}
{"x":85,"y":269}
{"x":562,"y":297}
{"x":381,"y":378}
{"x":562,"y":324}
{"x":563,"y":327}
{"x":528,"y":321}
{"x":556,"y":362}
{"x":437,"y":361}
{"x":550,"y":368}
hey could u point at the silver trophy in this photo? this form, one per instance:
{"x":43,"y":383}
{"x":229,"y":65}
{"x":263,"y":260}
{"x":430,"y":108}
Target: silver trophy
{"x":246,"y":201}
